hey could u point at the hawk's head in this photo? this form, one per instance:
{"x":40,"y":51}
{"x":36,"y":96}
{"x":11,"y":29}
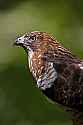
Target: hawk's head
{"x":34,"y":40}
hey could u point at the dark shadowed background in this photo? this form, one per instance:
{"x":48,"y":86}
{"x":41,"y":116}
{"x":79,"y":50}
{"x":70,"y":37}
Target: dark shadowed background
{"x":21,"y":103}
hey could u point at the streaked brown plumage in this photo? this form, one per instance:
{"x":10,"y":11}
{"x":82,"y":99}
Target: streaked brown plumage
{"x":58,"y":73}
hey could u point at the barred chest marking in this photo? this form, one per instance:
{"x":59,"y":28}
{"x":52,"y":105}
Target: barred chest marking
{"x":44,"y":72}
{"x":47,"y":79}
{"x":36,"y":65}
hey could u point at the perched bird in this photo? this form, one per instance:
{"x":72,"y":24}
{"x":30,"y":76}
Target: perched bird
{"x":57,"y":72}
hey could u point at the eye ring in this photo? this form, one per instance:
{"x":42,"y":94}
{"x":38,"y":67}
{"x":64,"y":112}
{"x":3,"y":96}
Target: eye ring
{"x":33,"y":38}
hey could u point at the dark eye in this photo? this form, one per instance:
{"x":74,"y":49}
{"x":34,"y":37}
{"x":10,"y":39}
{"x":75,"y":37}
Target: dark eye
{"x":33,"y":38}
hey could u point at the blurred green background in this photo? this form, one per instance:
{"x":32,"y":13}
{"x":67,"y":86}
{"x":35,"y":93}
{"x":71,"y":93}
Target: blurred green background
{"x":21,"y":103}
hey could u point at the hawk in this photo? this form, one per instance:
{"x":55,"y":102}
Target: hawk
{"x":58,"y":73}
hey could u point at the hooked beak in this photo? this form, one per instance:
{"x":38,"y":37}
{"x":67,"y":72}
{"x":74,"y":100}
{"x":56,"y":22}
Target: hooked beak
{"x":22,"y":43}
{"x":15,"y":43}
{"x":19,"y":41}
